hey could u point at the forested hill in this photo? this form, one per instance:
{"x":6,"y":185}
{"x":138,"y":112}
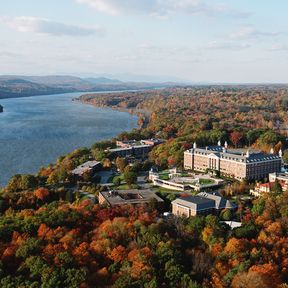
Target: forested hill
{"x":242,"y":115}
{"x":22,"y":86}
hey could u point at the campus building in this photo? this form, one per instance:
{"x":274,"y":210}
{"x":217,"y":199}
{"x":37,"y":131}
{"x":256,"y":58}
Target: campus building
{"x":87,"y":168}
{"x":234,"y":163}
{"x":201,"y":204}
{"x":262,"y":188}
{"x":128,"y":197}
{"x":134,"y":148}
{"x":135,"y":151}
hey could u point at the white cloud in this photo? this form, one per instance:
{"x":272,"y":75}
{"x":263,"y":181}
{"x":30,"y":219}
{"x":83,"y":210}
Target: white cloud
{"x":159,"y":8}
{"x":250,"y":32}
{"x":46,"y":26}
{"x":227,"y":45}
{"x":279,"y":47}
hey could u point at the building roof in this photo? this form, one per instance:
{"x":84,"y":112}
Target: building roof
{"x":85,"y":167}
{"x":195,"y":202}
{"x":120,"y":149}
{"x":279,"y":176}
{"x":233,"y":224}
{"x":133,"y":196}
{"x":155,"y":141}
{"x":220,"y":202}
{"x":205,"y":200}
{"x":235,"y":154}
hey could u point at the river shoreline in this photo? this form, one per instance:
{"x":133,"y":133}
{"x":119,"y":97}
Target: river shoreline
{"x":143,"y":115}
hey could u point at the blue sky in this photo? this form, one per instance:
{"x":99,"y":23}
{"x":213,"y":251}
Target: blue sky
{"x":235,"y":41}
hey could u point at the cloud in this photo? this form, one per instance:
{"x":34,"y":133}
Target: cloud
{"x":227,"y":45}
{"x":159,"y":8}
{"x":250,"y":32}
{"x":279,"y":47}
{"x":7,"y":54}
{"x":46,"y":26}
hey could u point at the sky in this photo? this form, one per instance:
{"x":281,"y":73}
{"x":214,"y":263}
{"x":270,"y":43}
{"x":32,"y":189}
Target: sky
{"x":217,"y":41}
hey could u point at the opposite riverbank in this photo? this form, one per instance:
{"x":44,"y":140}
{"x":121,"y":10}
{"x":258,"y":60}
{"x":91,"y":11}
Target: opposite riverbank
{"x":142,"y":114}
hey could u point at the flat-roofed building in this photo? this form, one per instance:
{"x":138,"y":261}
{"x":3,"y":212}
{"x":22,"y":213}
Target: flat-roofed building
{"x":233,"y":163}
{"x":136,"y":151}
{"x":126,"y":197}
{"x":278,"y":176}
{"x":126,"y":144}
{"x":88,"y":167}
{"x":201,"y":204}
{"x":152,"y":141}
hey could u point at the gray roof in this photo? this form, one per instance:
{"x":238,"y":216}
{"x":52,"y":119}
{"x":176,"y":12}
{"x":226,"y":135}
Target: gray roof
{"x":235,"y":154}
{"x":133,"y":196}
{"x":120,"y":149}
{"x":195,"y":202}
{"x":132,"y":148}
{"x":220,"y":202}
{"x":87,"y":166}
{"x":205,"y":200}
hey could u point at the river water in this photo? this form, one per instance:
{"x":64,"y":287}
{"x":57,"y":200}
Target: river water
{"x":35,"y":131}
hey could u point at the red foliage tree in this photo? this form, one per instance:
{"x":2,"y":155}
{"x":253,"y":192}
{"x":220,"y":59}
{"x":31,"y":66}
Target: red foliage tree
{"x":41,"y":193}
{"x":235,"y":138}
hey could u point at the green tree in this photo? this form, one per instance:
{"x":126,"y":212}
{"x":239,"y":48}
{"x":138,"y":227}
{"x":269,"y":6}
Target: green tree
{"x":98,"y":154}
{"x":173,"y":272}
{"x":277,"y":189}
{"x":130,"y":178}
{"x":269,"y":138}
{"x":117,"y":181}
{"x":30,"y":247}
{"x":285,"y":156}
{"x":226,"y":214}
{"x":22,"y":182}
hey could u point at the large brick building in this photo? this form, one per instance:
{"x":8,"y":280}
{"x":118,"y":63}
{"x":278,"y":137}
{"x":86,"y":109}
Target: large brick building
{"x":201,"y":204}
{"x":233,"y":163}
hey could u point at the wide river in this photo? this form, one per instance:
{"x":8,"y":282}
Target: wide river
{"x":35,"y":131}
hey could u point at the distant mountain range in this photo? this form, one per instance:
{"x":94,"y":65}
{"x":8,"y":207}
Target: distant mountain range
{"x":22,"y":86}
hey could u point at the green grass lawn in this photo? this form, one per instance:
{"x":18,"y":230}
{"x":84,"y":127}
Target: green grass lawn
{"x":127,"y":187}
{"x":160,"y":189}
{"x":164,"y":176}
{"x":110,"y":180}
{"x":184,"y":175}
{"x":206,"y":181}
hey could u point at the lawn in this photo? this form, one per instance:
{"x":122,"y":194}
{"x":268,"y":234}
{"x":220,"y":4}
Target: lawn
{"x":160,"y":189}
{"x":127,"y":187}
{"x":184,"y":175}
{"x":110,"y":180}
{"x":206,"y":181}
{"x":164,"y":176}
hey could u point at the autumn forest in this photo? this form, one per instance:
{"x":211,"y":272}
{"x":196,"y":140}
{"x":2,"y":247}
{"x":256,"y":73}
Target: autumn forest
{"x":51,"y":236}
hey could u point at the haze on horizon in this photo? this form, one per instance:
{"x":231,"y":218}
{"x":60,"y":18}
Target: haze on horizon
{"x":238,"y":41}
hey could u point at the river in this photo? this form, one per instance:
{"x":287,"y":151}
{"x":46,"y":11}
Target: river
{"x":35,"y":131}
